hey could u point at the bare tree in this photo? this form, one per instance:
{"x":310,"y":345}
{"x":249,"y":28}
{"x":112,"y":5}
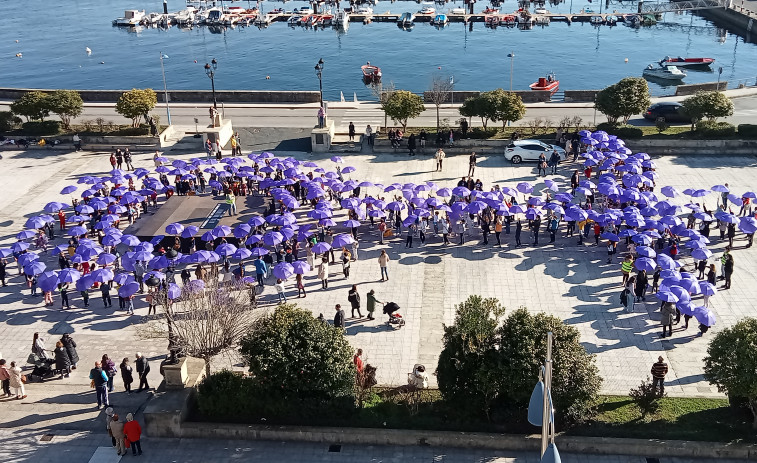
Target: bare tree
{"x":204,"y":323}
{"x":439,"y":93}
{"x":382,"y":93}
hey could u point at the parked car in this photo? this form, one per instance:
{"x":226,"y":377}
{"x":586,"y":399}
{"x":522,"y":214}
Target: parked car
{"x":669,"y":111}
{"x":529,"y":150}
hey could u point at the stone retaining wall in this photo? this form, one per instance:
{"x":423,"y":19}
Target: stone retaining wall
{"x":185,"y":96}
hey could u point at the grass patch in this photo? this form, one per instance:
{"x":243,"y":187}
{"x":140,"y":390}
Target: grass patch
{"x":679,"y":418}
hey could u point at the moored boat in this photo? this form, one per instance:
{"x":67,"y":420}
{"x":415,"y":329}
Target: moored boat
{"x":427,"y":10}
{"x":406,"y":19}
{"x":440,"y":20}
{"x":683,"y":62}
{"x":130,"y":18}
{"x":371,"y":74}
{"x":549,"y":83}
{"x":663,"y":72}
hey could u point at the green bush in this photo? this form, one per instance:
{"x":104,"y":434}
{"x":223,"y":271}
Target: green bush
{"x":133,"y":132}
{"x":41,"y":128}
{"x":621,"y":131}
{"x":8,"y":121}
{"x":711,"y":129}
{"x":478,"y":133}
{"x":747,"y":130}
{"x":222,"y":394}
{"x":646,"y":398}
{"x":296,"y":356}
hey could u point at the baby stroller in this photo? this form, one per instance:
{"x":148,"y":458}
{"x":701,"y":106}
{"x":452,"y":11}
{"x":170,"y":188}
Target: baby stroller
{"x":395,"y":320}
{"x":43,"y":368}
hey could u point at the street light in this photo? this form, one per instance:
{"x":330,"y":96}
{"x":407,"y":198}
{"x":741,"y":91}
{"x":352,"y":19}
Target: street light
{"x":319,"y":74}
{"x":165,"y":89}
{"x":511,"y":55}
{"x":210,"y":70}
{"x":541,"y":411}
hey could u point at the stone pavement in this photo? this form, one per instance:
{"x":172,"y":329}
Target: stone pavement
{"x":567,"y":280}
{"x":83,"y":447}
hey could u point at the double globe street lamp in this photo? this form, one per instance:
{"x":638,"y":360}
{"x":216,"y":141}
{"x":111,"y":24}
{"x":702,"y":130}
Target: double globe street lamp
{"x":321,"y":109}
{"x":210,"y":70}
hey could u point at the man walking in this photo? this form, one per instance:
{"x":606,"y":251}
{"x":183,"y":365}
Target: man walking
{"x":105,"y":291}
{"x":472,"y":164}
{"x":100,"y":382}
{"x":554,"y":160}
{"x":439,"y":156}
{"x":339,"y":317}
{"x":260,"y":270}
{"x":659,"y":370}
{"x":143,"y":368}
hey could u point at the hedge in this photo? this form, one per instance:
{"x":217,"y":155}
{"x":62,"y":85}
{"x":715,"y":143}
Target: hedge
{"x":621,"y":131}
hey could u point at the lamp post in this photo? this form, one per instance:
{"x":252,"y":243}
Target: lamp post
{"x":511,"y":55}
{"x":540,"y":409}
{"x":319,"y":74}
{"x":165,"y":88}
{"x":210,"y":70}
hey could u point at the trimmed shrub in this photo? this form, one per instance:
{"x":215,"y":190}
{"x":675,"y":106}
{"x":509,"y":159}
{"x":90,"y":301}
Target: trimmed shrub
{"x":747,"y":130}
{"x":711,"y":129}
{"x":621,"y":131}
{"x":41,"y":128}
{"x":8,"y":121}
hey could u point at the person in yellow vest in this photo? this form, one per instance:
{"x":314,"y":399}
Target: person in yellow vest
{"x":232,"y":202}
{"x":233,"y":146}
{"x":625,"y":267}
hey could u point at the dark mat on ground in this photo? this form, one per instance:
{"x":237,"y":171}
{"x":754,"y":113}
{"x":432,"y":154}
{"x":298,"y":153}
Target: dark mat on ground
{"x":259,"y":139}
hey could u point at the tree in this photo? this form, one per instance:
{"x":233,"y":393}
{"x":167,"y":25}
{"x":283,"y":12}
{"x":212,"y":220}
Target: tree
{"x":204,"y":323}
{"x":707,"y":105}
{"x":646,"y":397}
{"x":731,"y":362}
{"x":624,"y":99}
{"x":403,"y":105}
{"x":439,"y":93}
{"x":136,"y":103}
{"x":467,"y":372}
{"x":508,"y":106}
{"x":293,"y":355}
{"x":31,"y":105}
{"x":522,"y":350}
{"x":66,"y":104}
{"x":8,"y":121}
{"x":481,"y":105}
{"x":382,"y":93}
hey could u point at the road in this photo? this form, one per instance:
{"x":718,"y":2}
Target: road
{"x":363,"y":113}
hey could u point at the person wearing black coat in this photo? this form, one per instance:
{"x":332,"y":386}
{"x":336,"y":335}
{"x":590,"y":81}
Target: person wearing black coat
{"x":354,"y":297}
{"x":126,"y":374}
{"x":70,"y":346}
{"x":62,"y":362}
{"x":143,"y":368}
{"x":411,"y":145}
{"x":642,"y":282}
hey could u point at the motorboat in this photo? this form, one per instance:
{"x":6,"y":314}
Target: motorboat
{"x":541,"y":10}
{"x":492,"y":20}
{"x":549,"y":83}
{"x":371,"y":74}
{"x":490,"y":10}
{"x":185,"y":17}
{"x":406,"y":19}
{"x":304,"y":11}
{"x":427,"y":10}
{"x":664,"y":72}
{"x":214,"y":16}
{"x":508,"y":20}
{"x":683,"y":62}
{"x":294,"y":20}
{"x":130,"y":18}
{"x":342,"y":18}
{"x":611,"y":20}
{"x":597,"y":20}
{"x":457,"y":11}
{"x":364,"y":10}
{"x":440,"y":20}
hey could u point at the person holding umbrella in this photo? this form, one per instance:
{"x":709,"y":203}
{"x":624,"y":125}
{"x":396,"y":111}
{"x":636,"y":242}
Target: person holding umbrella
{"x":666,"y":317}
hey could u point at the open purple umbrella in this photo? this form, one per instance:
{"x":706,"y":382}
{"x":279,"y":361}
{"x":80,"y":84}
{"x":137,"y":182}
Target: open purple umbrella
{"x":102,"y":275}
{"x":681,"y":293}
{"x":283,"y":270}
{"x":645,"y":263}
{"x":173,"y":292}
{"x":194,"y":286}
{"x":342,"y":240}
{"x":122,"y":278}
{"x":708,"y":289}
{"x":666,"y":262}
{"x":321,"y":247}
{"x":189,"y":231}
{"x":77,"y":231}
{"x":242,"y":230}
{"x":272,"y":238}
{"x":47,"y":281}
{"x":704,"y":316}
{"x":666,"y":296}
{"x":85,"y":282}
{"x":242,"y":254}
{"x":352,"y":223}
{"x":701,"y":254}
{"x":34,"y":268}
{"x":646,"y":251}
{"x":257,"y":252}
{"x":174,"y":228}
{"x":105,"y":259}
{"x":748,"y":225}
{"x":226,"y":249}
{"x":129,"y":289}
{"x":300,"y":267}
{"x":68,"y":275}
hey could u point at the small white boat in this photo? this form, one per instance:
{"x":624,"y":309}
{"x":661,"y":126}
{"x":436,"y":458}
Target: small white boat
{"x":540,"y":10}
{"x":612,"y":20}
{"x":441,"y":20}
{"x":364,"y":10}
{"x":304,"y":11}
{"x":341,"y":18}
{"x":596,"y":19}
{"x":130,"y":18}
{"x":663,"y":72}
{"x":427,"y":10}
{"x":457,"y":11}
{"x":185,"y":17}
{"x":406,"y":19}
{"x":294,"y":20}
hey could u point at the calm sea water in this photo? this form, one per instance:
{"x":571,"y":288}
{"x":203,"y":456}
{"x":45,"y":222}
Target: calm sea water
{"x":52,"y":41}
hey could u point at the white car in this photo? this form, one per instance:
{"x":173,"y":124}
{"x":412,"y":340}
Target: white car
{"x":529,"y":150}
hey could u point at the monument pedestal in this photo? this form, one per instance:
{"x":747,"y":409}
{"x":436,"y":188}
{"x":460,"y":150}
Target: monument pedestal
{"x":220,"y":131}
{"x":186,"y":373}
{"x":321,"y":137}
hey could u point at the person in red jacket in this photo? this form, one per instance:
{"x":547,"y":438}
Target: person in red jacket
{"x":133,"y":432}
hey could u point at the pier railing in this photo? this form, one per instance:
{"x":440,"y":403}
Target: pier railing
{"x":684,"y":5}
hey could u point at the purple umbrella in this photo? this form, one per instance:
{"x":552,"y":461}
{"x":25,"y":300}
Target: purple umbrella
{"x":174,"y":228}
{"x":681,"y":293}
{"x":300,"y":267}
{"x":242,"y":230}
{"x":222,"y":230}
{"x":77,"y":231}
{"x":283,"y":270}
{"x":173,"y":291}
{"x":701,"y":254}
{"x":105,"y":259}
{"x":85,"y":282}
{"x":102,"y":275}
{"x":242,"y":254}
{"x":707,"y":289}
{"x":47,"y":281}
{"x":194,"y":286}
{"x":272,"y":238}
{"x":704,"y":316}
{"x":645,"y":263}
{"x":257,"y":252}
{"x":524,"y":187}
{"x":610,"y":237}
{"x":342,"y":240}
{"x":122,"y":278}
{"x":748,"y":225}
{"x":129,"y":289}
{"x":666,"y":296}
{"x":226,"y":249}
{"x":720,"y":189}
{"x":646,"y":251}
{"x":26,"y":234}
{"x":34,"y":222}
{"x":321,"y":247}
{"x":34,"y":268}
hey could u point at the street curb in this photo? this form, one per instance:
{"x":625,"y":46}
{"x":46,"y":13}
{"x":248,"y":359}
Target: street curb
{"x":370,"y":436}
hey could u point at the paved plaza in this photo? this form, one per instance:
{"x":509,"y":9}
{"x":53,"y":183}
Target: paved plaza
{"x":565,"y":279}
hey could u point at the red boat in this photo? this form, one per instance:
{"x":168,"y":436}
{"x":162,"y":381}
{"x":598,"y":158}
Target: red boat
{"x":549,"y":83}
{"x":371,"y":74}
{"x":682,"y":62}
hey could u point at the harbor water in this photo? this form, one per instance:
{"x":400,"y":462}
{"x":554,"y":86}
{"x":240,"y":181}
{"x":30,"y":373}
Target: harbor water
{"x":44,"y":47}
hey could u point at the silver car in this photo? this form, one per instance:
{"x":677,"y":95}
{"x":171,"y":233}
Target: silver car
{"x":529,"y":150}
